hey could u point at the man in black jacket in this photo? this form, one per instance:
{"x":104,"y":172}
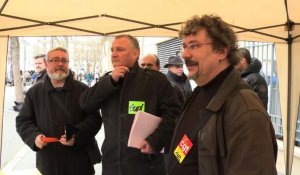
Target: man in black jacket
{"x":250,"y":72}
{"x":52,"y":123}
{"x":120,"y":94}
{"x":177,"y":77}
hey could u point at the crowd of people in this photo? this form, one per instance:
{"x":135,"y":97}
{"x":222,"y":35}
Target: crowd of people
{"x":220,"y":127}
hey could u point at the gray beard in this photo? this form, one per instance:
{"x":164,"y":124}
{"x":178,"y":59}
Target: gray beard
{"x":58,"y":76}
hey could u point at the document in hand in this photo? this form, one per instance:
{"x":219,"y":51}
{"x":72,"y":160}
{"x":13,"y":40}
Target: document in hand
{"x":143,"y":125}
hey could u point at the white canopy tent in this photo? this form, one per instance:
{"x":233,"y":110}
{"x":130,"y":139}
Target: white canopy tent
{"x":269,"y":20}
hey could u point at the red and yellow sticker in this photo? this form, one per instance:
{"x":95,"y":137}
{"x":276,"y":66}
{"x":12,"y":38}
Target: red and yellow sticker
{"x":183,"y":148}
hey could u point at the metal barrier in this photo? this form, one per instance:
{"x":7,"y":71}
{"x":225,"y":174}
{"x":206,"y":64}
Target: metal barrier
{"x":265,"y":52}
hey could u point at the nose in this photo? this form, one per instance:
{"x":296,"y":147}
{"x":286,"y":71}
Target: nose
{"x":113,"y":53}
{"x":184,"y":54}
{"x":60,"y":62}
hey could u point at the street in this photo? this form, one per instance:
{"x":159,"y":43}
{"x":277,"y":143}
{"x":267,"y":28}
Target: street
{"x":16,"y":157}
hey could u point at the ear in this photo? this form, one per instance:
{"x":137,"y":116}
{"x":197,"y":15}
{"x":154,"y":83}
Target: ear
{"x":46,"y":65}
{"x":223,"y":53}
{"x":136,"y":53}
{"x":243,"y":60}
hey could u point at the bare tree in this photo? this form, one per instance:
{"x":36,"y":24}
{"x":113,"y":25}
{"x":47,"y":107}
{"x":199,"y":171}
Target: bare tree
{"x":15,"y":54}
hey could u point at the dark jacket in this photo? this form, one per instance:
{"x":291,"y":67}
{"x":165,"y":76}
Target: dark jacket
{"x":258,"y":83}
{"x":239,"y":137}
{"x":143,"y":85}
{"x":41,"y":76}
{"x":41,"y":114}
{"x":182,"y":82}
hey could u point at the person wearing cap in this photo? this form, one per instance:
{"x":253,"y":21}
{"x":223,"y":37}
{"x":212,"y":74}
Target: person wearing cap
{"x":250,"y":72}
{"x":177,"y":77}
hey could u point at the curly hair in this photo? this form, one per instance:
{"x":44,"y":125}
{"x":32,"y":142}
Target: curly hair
{"x":219,"y":31}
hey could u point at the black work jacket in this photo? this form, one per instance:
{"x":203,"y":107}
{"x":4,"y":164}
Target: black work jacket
{"x":182,"y":82}
{"x":159,"y":98}
{"x":258,"y":83}
{"x":41,"y":114}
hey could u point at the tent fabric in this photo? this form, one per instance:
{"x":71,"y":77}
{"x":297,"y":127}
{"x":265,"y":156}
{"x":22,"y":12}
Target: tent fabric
{"x":3,"y":53}
{"x":140,"y":18}
{"x":256,"y":20}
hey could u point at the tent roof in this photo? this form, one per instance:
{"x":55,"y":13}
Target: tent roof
{"x":141,"y":18}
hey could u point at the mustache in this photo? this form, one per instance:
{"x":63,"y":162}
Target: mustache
{"x":60,"y":68}
{"x":190,"y":62}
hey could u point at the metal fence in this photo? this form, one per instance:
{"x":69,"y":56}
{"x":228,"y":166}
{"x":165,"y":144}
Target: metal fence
{"x":265,"y":52}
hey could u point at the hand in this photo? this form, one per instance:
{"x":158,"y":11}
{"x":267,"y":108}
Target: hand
{"x":119,"y":72}
{"x":64,"y":141}
{"x":38,"y":142}
{"x":146,"y":148}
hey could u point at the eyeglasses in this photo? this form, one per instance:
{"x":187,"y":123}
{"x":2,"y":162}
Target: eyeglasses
{"x":57,"y":61}
{"x":192,"y":46}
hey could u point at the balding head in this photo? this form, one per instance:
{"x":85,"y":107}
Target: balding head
{"x":150,"y":61}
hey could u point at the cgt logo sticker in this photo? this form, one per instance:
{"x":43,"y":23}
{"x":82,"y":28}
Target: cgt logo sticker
{"x":134,"y":106}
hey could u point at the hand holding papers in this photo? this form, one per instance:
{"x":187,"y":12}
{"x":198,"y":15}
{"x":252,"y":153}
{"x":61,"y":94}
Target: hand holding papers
{"x":143,"y":125}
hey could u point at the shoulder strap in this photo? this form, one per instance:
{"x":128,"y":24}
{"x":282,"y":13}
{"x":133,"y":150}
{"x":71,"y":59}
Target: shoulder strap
{"x":61,"y":106}
{"x":69,"y":129}
{"x":204,"y":117}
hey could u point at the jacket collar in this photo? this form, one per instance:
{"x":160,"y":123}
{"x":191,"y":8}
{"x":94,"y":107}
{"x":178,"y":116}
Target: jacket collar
{"x":253,"y":67}
{"x":227,"y":88}
{"x":177,"y":77}
{"x":67,"y":86}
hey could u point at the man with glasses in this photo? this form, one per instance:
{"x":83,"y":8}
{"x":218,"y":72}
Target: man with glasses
{"x":52,"y":123}
{"x":119,"y":94}
{"x":177,"y":77}
{"x":223,"y":128}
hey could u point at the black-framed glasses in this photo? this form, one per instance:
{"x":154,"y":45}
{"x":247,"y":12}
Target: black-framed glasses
{"x":192,"y":46}
{"x":57,"y":61}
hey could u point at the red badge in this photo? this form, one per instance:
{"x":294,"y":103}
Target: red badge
{"x":183,"y":148}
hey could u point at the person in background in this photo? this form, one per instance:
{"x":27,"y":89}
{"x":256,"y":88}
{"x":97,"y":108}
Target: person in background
{"x":52,"y":123}
{"x":250,"y":72}
{"x":40,"y":68}
{"x":37,"y":76}
{"x":176,"y":75}
{"x":151,"y":61}
{"x":89,"y":79}
{"x":223,"y":128}
{"x":119,"y":95}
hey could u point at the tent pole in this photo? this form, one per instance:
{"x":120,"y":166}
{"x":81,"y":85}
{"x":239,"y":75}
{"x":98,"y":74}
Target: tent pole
{"x":289,"y":159}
